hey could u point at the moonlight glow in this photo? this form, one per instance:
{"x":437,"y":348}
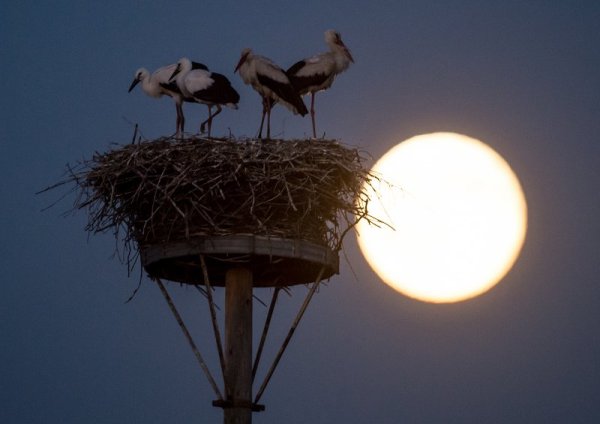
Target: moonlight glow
{"x":458,"y":214}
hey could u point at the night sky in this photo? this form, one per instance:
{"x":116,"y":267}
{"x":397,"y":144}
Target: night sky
{"x":523,"y":77}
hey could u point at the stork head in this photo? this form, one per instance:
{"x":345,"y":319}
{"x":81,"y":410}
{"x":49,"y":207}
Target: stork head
{"x":140,"y":75}
{"x":245,"y":54}
{"x":332,"y":36}
{"x":185,"y":64}
{"x":334,"y":39}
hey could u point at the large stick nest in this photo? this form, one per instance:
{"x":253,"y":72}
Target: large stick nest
{"x":166,"y":190}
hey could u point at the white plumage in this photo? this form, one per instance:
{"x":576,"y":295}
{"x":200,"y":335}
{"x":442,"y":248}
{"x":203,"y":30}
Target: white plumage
{"x":317,"y":73}
{"x":272,"y":83}
{"x":157,"y":85}
{"x":198,"y":84}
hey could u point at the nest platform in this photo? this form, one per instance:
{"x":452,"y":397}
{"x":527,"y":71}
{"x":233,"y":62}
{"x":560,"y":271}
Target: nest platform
{"x":273,"y":261}
{"x":196,"y":207}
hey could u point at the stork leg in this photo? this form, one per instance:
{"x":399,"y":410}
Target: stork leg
{"x":203,"y":124}
{"x":180,"y":120}
{"x":262,"y":119}
{"x":312,"y":114}
{"x":177,"y":121}
{"x":269,"y":104}
{"x":210,"y":118}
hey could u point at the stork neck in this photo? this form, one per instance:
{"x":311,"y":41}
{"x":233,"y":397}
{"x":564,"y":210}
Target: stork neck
{"x":342,"y":61}
{"x":150,"y":86}
{"x":186,"y":66}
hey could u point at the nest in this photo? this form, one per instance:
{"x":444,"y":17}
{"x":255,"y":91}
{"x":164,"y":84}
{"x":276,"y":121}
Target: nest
{"x":166,"y":190}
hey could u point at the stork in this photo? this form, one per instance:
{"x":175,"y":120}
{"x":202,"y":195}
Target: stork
{"x":203,"y":86}
{"x":317,"y":73}
{"x":157,"y":85}
{"x":273,"y":85}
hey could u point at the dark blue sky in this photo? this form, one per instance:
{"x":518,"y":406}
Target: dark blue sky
{"x":522,"y":76}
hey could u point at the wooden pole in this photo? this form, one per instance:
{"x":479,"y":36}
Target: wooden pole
{"x":238,"y":346}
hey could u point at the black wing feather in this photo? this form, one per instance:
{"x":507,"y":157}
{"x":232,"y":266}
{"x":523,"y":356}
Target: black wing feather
{"x":198,"y":65}
{"x":171,"y":86}
{"x":305,"y":83}
{"x":292,"y":70}
{"x":219,"y":92}
{"x":285,"y":92}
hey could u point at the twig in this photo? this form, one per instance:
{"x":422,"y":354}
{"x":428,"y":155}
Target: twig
{"x":167,"y":189}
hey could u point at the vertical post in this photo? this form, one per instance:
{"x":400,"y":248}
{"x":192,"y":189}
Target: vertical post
{"x":238,"y":346}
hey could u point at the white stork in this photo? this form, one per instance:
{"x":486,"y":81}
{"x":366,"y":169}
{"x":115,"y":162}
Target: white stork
{"x":273,"y":85}
{"x":202,"y":86}
{"x":157,"y":85}
{"x":317,"y":73}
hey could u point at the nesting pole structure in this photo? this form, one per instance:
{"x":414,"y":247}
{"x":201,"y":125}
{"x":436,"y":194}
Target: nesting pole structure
{"x":235,"y":214}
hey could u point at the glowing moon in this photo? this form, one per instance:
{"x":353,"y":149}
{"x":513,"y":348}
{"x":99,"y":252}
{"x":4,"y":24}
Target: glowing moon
{"x":458,"y":214}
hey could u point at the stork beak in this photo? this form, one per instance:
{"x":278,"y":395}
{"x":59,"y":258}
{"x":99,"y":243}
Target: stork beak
{"x":175,"y":72}
{"x":133,"y":84}
{"x":349,"y":54}
{"x":242,"y":60}
{"x":342,"y":45}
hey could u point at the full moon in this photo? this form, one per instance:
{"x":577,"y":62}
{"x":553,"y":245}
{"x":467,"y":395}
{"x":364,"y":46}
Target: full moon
{"x":454,"y":216}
